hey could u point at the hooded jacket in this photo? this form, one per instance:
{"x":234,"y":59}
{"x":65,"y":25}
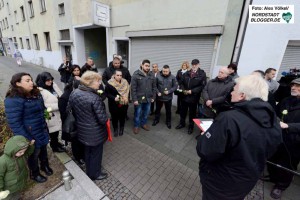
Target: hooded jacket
{"x":14,"y":170}
{"x":165,"y":83}
{"x":143,"y":87}
{"x":235,"y":148}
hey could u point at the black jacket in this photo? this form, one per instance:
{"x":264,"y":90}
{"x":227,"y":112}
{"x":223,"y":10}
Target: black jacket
{"x":164,"y":83}
{"x":291,"y":135}
{"x":195,"y":84}
{"x":89,"y":112}
{"x":143,"y":87}
{"x":86,"y":67}
{"x":107,"y":74}
{"x":111,"y":93}
{"x":235,"y":148}
{"x":65,"y":72}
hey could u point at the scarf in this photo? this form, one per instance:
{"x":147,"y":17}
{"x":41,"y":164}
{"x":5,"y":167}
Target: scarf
{"x":122,"y":88}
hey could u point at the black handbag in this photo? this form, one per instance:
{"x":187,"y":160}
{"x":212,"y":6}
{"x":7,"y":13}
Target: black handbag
{"x":69,"y":125}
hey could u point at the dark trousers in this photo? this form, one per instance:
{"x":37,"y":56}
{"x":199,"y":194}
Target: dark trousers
{"x":179,"y":102}
{"x":280,"y":177}
{"x":93,"y":160}
{"x":118,"y":117}
{"x":54,"y":140}
{"x":159,"y":105}
{"x":191,"y":107}
{"x":77,"y":149}
{"x":152,"y":107}
{"x":33,"y":160}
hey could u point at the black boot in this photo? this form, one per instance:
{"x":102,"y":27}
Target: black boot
{"x":121,"y":131}
{"x":48,"y":171}
{"x":39,"y":178}
{"x":116,"y":132}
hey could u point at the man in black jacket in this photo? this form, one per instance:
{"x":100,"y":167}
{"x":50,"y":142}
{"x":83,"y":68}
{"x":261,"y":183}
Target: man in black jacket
{"x":166,"y":85}
{"x":65,"y":70}
{"x":89,"y":66}
{"x":143,"y":91}
{"x":235,"y":148}
{"x":288,"y":154}
{"x":116,"y":64}
{"x":192,"y":84}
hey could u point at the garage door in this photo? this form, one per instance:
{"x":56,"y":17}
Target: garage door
{"x":172,"y":50}
{"x":291,"y":59}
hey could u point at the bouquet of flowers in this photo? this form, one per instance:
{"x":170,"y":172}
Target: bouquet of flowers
{"x":48,"y":113}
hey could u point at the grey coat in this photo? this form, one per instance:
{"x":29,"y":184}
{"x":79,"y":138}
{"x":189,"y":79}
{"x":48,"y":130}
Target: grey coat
{"x":165,"y":83}
{"x":143,"y":87}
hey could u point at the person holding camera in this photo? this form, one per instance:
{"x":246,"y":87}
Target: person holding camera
{"x":65,"y":70}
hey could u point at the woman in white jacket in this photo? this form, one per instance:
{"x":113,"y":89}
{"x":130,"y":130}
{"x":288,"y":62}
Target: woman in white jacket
{"x":51,"y":93}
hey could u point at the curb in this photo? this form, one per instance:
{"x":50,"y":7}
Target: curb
{"x":92,"y":190}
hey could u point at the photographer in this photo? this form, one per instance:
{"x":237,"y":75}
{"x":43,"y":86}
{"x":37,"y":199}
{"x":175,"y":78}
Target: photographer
{"x":65,"y":70}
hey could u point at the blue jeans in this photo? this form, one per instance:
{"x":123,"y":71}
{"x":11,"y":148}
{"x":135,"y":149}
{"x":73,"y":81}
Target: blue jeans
{"x":141,"y":113}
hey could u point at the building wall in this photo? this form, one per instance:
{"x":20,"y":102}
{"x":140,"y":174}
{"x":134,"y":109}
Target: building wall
{"x":264,"y":44}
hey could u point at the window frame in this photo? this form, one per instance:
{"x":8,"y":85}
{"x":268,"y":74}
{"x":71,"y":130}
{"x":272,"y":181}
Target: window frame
{"x":48,"y":41}
{"x":22,"y":13}
{"x":28,"y":44}
{"x":43,"y":6}
{"x":21,"y":43}
{"x":61,"y":7}
{"x":31,"y":10}
{"x":36,"y":40}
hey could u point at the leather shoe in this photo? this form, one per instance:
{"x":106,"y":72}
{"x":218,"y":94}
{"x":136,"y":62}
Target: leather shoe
{"x":146,"y":127}
{"x":180,"y":126}
{"x":48,"y":171}
{"x":39,"y":178}
{"x":136,"y":130}
{"x":121,"y":131}
{"x":102,"y":176}
{"x":116,"y":133}
{"x":276,"y":193}
{"x":190,"y":131}
{"x":169,"y":125}
{"x":58,"y":149}
{"x":155,"y":122}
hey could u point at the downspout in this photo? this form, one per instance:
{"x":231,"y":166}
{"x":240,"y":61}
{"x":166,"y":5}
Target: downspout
{"x":241,"y":32}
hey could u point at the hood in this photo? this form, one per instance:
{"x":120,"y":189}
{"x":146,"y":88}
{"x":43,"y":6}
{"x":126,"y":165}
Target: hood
{"x":260,"y":111}
{"x":112,"y":67}
{"x":140,"y":72}
{"x":15,"y":144}
{"x":163,"y":75}
{"x":41,"y":79}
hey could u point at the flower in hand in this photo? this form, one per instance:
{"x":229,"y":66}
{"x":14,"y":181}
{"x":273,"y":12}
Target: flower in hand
{"x":284,"y":112}
{"x":100,"y":92}
{"x":47,"y":113}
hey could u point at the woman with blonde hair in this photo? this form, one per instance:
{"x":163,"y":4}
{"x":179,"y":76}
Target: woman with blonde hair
{"x":185,"y":66}
{"x":89,"y":112}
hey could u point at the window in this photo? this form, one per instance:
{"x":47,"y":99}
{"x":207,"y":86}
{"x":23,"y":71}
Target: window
{"x":28,"y":44}
{"x":21,"y":43}
{"x":61,"y":9}
{"x":65,"y":34}
{"x":43,"y":6}
{"x":22,"y":13}
{"x":48,"y":42}
{"x":12,"y":28}
{"x":31,"y":8}
{"x":36,"y":39}
{"x":15,"y":43}
{"x":7,"y":26}
{"x":1,"y":27}
{"x":16,"y":17}
{"x":8,"y":10}
{"x":4,"y":27}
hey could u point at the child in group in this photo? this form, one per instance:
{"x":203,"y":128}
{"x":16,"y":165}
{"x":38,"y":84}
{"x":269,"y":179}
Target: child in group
{"x":13,"y":166}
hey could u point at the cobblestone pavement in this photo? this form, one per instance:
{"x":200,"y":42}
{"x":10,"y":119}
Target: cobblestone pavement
{"x":157,"y":164}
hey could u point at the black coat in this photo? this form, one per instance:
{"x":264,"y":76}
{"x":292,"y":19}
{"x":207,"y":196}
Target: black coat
{"x":165,"y":82}
{"x":195,"y":84}
{"x":107,"y":74}
{"x":86,"y":67}
{"x":235,"y":148}
{"x":89,"y":112}
{"x":65,"y":72}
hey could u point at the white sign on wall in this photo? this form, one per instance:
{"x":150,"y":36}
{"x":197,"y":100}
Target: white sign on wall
{"x":101,"y":14}
{"x":271,"y":14}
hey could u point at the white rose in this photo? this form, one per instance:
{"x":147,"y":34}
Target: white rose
{"x":49,"y":109}
{"x":4,"y":194}
{"x":143,"y":98}
{"x":285,"y":112}
{"x":100,"y":91}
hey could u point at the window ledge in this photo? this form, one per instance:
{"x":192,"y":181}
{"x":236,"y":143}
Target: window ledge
{"x":61,"y":14}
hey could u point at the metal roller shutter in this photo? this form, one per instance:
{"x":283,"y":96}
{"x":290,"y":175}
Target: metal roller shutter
{"x":291,"y":59}
{"x":172,"y":50}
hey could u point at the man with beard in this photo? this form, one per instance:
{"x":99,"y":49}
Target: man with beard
{"x":288,"y":154}
{"x":143,"y":91}
{"x":235,"y":148}
{"x":166,"y":85}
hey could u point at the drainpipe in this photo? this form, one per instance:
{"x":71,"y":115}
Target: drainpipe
{"x":241,"y":32}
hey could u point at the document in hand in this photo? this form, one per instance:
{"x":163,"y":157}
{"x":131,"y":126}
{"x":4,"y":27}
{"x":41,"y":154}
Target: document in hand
{"x":203,"y":124}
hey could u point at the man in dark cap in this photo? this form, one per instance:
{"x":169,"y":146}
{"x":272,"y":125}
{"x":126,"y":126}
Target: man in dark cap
{"x":191,"y":84}
{"x":288,"y":154}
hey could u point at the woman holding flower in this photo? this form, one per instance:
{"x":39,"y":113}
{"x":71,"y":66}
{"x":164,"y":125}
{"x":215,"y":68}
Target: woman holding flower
{"x":24,"y":108}
{"x":51,"y":93}
{"x":117,"y":90}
